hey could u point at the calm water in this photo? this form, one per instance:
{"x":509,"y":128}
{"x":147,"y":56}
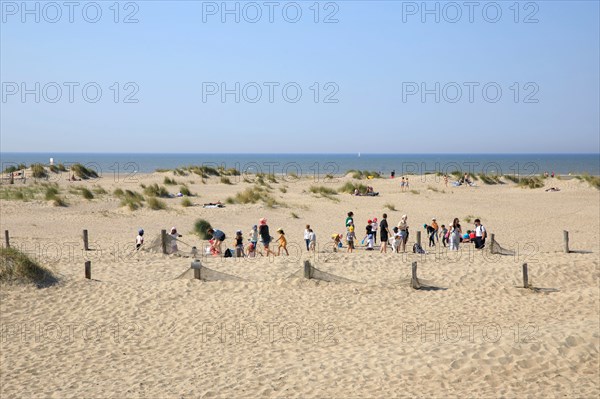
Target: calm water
{"x":311,"y":164}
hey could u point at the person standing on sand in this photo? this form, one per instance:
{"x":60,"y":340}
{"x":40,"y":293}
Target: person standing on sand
{"x":265,"y":236}
{"x":350,"y":219}
{"x":375,"y":226}
{"x":173,"y":240}
{"x":139,"y":240}
{"x":480,"y":234}
{"x":307,"y":237}
{"x":455,"y":235}
{"x":403,"y":229}
{"x":446,"y":180}
{"x":436,"y":227}
{"x":218,"y":237}
{"x":384,"y":232}
{"x":312,"y":238}
{"x":350,"y":237}
{"x":402,"y":182}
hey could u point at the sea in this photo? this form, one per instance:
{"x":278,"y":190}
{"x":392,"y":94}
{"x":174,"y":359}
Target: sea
{"x":322,"y":164}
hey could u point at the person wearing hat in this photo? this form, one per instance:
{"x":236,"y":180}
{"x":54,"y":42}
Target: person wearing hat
{"x":173,"y":240}
{"x":139,"y":240}
{"x":282,"y":242}
{"x":350,"y":219}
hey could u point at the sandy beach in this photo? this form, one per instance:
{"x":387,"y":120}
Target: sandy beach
{"x":144,"y":328}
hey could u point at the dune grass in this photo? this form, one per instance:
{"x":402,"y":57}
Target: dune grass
{"x":201,"y":227}
{"x":156,"y":204}
{"x":253,"y":195}
{"x":131,"y":199}
{"x":38,"y":171}
{"x":99,"y":190}
{"x":154,"y":190}
{"x":363,"y":174}
{"x":225,"y":180}
{"x":294,"y":215}
{"x":17,"y":267}
{"x":185,"y":191}
{"x":349,"y":188}
{"x":186,"y":202}
{"x":170,"y":182}
{"x":391,"y":207}
{"x":490,"y":179}
{"x":82,"y":172}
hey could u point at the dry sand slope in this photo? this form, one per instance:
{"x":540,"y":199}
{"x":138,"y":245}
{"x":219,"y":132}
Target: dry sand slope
{"x":137,"y":330}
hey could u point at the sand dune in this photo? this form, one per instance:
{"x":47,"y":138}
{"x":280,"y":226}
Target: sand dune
{"x":137,"y":330}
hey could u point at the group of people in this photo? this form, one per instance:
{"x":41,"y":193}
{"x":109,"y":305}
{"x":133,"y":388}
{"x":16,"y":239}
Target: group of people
{"x":369,"y":192}
{"x":396,"y":237}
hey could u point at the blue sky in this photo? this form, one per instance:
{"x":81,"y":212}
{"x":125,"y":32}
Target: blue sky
{"x":369,"y":69}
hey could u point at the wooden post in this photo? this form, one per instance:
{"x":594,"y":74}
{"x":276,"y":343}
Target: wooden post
{"x":163,"y":241}
{"x":492,"y":242}
{"x":525,"y":276}
{"x":7,"y":238}
{"x":419,"y":238}
{"x":88,"y":269}
{"x":566,"y":239}
{"x":197,"y":266}
{"x":85,"y":241}
{"x":414,"y":281}
{"x":307,"y":270}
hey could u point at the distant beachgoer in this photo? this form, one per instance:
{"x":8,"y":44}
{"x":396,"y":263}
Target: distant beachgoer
{"x":406,"y":183}
{"x":349,"y":219}
{"x":431,"y":234}
{"x":384,"y":233}
{"x":253,"y":235}
{"x":350,"y":236}
{"x":337,"y":241}
{"x":251,"y":249}
{"x":480,"y":234}
{"x":444,"y":235}
{"x":218,"y":237}
{"x":446,"y":180}
{"x":552,"y":174}
{"x":174,"y":236}
{"x":139,"y":240}
{"x":393,"y":174}
{"x":435,"y":226}
{"x":307,"y":237}
{"x":402,"y":184}
{"x":369,"y":235}
{"x":396,"y":240}
{"x":313,"y":240}
{"x":265,"y":236}
{"x":282,"y":242}
{"x":375,"y":225}
{"x":239,"y":244}
{"x":455,"y":235}
{"x":403,"y":229}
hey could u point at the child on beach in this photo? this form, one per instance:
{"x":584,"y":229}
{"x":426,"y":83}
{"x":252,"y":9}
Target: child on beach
{"x":375,"y":227}
{"x":174,"y":236}
{"x":396,"y":240}
{"x":307,"y":237}
{"x":239,"y":244}
{"x":282,"y":242}
{"x":139,"y":240}
{"x":312,"y":238}
{"x":444,"y":235}
{"x":350,"y":236}
{"x":251,"y":250}
{"x":253,"y":236}
{"x":337,"y":241}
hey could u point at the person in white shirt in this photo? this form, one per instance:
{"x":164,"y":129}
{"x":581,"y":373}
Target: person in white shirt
{"x":139,"y":240}
{"x":374,"y":225}
{"x":307,"y":237}
{"x":312,"y":238}
{"x":174,"y":236}
{"x":480,"y":234}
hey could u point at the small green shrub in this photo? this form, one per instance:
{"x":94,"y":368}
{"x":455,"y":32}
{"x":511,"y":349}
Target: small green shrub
{"x":118,"y":192}
{"x":201,"y":227}
{"x":156,"y":204}
{"x":225,"y":180}
{"x":82,"y":172}
{"x":170,"y":182}
{"x":154,"y":190}
{"x":391,"y":207}
{"x":185,"y":191}
{"x":38,"y":171}
{"x":349,"y":187}
{"x":186,"y":202}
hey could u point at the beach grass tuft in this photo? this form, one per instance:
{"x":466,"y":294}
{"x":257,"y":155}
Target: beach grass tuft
{"x":17,"y":267}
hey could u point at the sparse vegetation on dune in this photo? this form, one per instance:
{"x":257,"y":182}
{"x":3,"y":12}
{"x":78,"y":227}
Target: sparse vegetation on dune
{"x":363,"y":174}
{"x":186,"y":202}
{"x":349,"y":188}
{"x":154,"y":190}
{"x":17,"y":267}
{"x":38,"y":171}
{"x":185,"y":191}
{"x":490,"y":179}
{"x":253,"y":195}
{"x":83,"y":172}
{"x":131,"y":199}
{"x":322,"y":191}
{"x":156,"y":204}
{"x":14,"y":168}
{"x":170,"y":182}
{"x":391,"y":207}
{"x":201,"y":227}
